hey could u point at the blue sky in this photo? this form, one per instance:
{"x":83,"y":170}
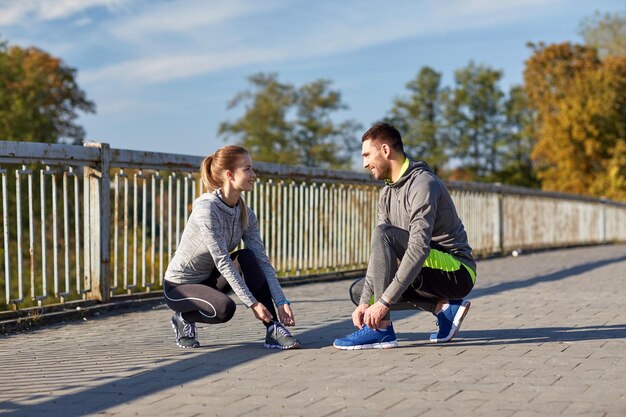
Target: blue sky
{"x":161,"y":72}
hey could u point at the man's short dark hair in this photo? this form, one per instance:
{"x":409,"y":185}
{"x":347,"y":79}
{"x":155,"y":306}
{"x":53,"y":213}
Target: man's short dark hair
{"x":385,"y":133}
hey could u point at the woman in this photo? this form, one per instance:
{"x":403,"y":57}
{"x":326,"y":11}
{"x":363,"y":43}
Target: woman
{"x":203,"y":269}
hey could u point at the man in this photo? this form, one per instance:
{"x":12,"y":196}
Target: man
{"x":420,"y":257}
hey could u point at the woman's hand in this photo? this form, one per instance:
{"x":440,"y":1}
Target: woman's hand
{"x":261,"y":312}
{"x":286,"y":315}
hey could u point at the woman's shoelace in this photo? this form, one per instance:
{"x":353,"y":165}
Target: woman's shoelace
{"x":190,"y":330}
{"x":283,"y":330}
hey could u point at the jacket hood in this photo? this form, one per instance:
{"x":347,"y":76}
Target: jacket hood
{"x":215,"y":198}
{"x":414,"y":166}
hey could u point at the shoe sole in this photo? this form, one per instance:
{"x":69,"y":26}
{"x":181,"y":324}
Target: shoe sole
{"x":456,"y":323}
{"x":294,"y":346}
{"x":187,"y":347}
{"x":174,"y":326}
{"x":383,"y":345}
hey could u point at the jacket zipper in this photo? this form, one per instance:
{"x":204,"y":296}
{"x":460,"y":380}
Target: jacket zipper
{"x":232,"y":230}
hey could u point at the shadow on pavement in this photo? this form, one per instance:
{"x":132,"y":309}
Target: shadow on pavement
{"x":178,"y":370}
{"x":555,"y":276}
{"x":523,"y":336}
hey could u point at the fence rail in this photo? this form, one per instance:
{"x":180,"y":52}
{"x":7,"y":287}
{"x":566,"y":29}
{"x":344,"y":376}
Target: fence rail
{"x":98,"y":223}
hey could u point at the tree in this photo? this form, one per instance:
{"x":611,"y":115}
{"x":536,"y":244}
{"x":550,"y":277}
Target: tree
{"x":319,"y":140}
{"x":605,"y":32}
{"x":474,"y":118}
{"x":290,"y":125}
{"x":264,"y":129}
{"x":419,"y":117}
{"x":517,"y":166}
{"x":580,"y":104}
{"x":39,"y":97}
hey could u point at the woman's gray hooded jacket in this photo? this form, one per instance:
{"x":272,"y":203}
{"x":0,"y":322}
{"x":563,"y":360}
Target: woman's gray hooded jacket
{"x":213,"y":230}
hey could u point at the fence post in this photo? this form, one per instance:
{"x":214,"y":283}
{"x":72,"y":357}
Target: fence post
{"x":498,"y":233}
{"x":603,"y":202}
{"x":97,"y":223}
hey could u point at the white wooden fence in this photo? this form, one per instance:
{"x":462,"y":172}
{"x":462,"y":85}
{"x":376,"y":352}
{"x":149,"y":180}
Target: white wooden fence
{"x":91,"y":222}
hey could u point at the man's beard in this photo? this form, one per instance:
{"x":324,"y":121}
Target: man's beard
{"x":384,"y":171}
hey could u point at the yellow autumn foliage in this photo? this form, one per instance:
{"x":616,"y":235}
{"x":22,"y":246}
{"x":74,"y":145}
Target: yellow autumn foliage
{"x":580,"y":104}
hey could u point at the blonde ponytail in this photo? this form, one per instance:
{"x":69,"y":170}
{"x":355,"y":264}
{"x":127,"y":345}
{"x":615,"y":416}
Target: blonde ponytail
{"x":208,"y":181}
{"x":211,"y":171}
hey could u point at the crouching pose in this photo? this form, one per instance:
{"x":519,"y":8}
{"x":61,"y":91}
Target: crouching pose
{"x":420,"y":257}
{"x":203,"y":268}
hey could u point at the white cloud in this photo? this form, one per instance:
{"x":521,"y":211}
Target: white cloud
{"x":17,"y":11}
{"x":184,"y":17}
{"x":11,"y":13}
{"x":164,"y":68}
{"x":186,"y":38}
{"x":169,"y":40}
{"x":85,"y":21}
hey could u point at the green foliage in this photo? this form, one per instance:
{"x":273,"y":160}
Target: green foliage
{"x":517,"y":166}
{"x":264,"y":128}
{"x":487,"y":135}
{"x":474,"y":117}
{"x":605,"y":32}
{"x":39,"y":97}
{"x":289,"y":125}
{"x":419,"y":117}
{"x":319,"y":140}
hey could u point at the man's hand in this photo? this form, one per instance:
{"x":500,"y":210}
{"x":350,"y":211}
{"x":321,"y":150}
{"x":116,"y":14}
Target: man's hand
{"x":286,"y":315}
{"x":357,"y":315}
{"x":374,"y":314}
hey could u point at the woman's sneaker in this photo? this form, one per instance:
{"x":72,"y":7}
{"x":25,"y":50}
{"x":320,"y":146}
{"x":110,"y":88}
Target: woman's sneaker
{"x":449,"y":320}
{"x":278,"y":337}
{"x":185,"y":332}
{"x":367,"y":338}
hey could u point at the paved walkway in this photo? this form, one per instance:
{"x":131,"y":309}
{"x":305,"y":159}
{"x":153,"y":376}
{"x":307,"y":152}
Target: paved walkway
{"x":546,"y":336}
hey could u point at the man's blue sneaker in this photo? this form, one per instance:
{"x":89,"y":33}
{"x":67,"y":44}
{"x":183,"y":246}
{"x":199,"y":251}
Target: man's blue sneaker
{"x":449,"y":320}
{"x":367,"y":338}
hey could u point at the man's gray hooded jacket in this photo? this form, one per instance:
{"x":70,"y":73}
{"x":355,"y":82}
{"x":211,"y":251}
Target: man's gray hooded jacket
{"x":420,"y":203}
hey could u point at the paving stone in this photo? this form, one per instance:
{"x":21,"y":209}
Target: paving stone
{"x":539,"y":340}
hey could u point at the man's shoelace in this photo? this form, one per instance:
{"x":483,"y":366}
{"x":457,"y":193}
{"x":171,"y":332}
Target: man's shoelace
{"x":359,"y":332}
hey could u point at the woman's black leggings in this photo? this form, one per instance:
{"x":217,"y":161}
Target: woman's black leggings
{"x":207,"y":301}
